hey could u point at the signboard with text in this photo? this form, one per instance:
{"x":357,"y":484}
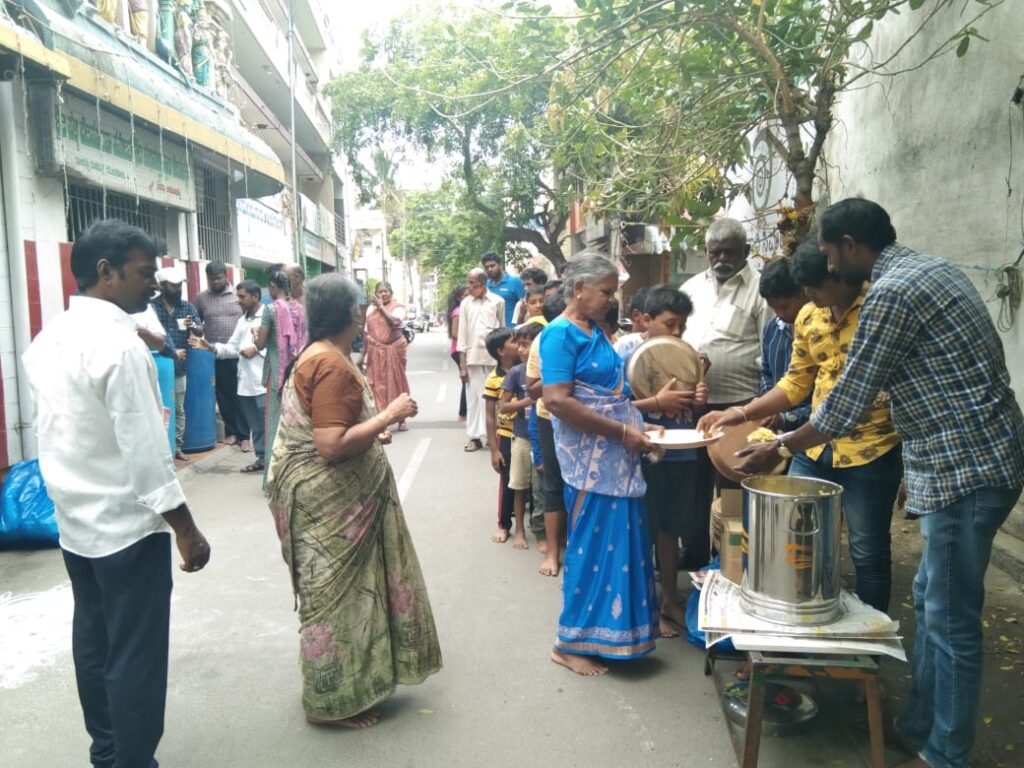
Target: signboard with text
{"x":103,"y":148}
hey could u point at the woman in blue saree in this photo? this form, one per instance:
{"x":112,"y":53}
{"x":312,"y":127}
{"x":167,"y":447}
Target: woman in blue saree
{"x":609,"y":610}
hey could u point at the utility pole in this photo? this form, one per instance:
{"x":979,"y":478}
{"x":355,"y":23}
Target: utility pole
{"x":299,"y":255}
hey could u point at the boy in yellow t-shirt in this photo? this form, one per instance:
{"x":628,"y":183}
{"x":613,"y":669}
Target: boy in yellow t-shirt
{"x":502,"y":347}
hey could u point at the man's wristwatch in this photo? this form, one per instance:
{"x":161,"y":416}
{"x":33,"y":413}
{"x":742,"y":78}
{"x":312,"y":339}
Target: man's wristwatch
{"x":780,"y":446}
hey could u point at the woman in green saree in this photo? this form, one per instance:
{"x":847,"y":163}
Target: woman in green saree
{"x":366,"y":622}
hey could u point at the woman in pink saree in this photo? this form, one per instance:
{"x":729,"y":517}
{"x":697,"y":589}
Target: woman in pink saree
{"x":386,"y":348}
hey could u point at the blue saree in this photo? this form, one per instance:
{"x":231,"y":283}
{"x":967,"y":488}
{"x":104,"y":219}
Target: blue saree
{"x":608,"y":601}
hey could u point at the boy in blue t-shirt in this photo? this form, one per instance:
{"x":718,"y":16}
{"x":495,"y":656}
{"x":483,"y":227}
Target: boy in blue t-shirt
{"x":522,"y":470}
{"x":678,"y":503}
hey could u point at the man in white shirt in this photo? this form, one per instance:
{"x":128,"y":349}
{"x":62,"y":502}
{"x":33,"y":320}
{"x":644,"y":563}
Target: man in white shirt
{"x":479,"y":314}
{"x":728,"y":317}
{"x":104,"y":455}
{"x":241,"y":345}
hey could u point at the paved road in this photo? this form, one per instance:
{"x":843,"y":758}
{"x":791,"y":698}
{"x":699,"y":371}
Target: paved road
{"x":234,"y":687}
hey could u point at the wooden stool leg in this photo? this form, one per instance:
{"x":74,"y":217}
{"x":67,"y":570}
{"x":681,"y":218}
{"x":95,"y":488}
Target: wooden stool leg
{"x":755,"y":713}
{"x":874,"y":702}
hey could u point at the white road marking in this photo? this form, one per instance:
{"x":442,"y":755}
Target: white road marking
{"x":409,"y":474}
{"x":37,"y":631}
{"x":442,"y":393}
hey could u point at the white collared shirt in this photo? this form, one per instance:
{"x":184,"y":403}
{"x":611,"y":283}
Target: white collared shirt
{"x":250,"y":370}
{"x":477,"y":318}
{"x":103,"y":448}
{"x":726,"y":325}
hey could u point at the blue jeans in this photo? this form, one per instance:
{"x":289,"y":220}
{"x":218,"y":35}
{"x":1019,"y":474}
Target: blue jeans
{"x":949,"y":591}
{"x":869,"y":492}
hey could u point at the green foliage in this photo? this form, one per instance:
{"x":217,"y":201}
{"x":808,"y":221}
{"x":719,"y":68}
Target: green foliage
{"x":465,"y":87}
{"x":443,"y":235}
{"x":660,"y":95}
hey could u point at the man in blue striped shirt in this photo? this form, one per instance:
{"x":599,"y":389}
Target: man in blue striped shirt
{"x":785,"y":298}
{"x":926,"y":337}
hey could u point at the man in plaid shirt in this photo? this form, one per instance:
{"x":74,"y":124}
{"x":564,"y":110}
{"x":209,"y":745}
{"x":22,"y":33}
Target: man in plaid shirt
{"x":926,"y":337}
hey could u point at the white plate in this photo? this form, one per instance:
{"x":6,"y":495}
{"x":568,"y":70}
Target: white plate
{"x":683,"y":438}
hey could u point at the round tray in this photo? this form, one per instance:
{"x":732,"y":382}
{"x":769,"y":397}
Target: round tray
{"x":722,"y":453}
{"x":660,"y":359}
{"x":786,"y":710}
{"x":683,"y":438}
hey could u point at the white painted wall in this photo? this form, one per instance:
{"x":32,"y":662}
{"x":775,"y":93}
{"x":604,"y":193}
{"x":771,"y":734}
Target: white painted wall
{"x":934,"y":148}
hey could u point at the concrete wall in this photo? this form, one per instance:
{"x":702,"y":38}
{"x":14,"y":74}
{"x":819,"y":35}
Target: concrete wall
{"x":933,"y":147}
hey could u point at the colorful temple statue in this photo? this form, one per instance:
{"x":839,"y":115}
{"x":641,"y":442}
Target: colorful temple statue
{"x":138,"y":18}
{"x":183,"y":36}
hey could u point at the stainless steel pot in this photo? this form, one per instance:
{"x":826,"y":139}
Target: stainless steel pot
{"x":791,"y":549}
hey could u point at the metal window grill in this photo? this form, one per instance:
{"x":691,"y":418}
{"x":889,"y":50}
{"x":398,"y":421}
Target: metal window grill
{"x":87,"y":204}
{"x":213,"y":214}
{"x":340,"y":234}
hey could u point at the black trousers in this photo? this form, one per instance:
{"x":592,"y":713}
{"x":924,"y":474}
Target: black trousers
{"x":119,"y":641}
{"x":506,"y":496}
{"x":231,"y":413}
{"x":462,"y":397}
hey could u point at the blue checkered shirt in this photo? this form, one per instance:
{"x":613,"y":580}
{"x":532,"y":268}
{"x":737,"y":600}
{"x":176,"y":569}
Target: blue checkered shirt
{"x":776,"y":349}
{"x":927,"y":339}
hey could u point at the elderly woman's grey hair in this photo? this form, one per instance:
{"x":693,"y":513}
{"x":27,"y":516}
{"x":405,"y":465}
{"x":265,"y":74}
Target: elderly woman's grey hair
{"x":726,"y":229}
{"x":586,"y":268}
{"x":332,"y":305}
{"x":477,"y":275}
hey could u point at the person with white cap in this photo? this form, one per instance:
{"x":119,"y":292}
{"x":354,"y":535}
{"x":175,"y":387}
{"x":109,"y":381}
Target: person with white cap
{"x":179,"y":318}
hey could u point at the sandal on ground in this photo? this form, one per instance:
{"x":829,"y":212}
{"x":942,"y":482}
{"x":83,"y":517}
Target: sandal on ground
{"x":256,"y":466}
{"x":473,"y":445}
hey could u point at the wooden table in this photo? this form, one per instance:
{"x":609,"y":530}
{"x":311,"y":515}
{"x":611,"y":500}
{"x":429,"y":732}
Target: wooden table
{"x":802,"y":666}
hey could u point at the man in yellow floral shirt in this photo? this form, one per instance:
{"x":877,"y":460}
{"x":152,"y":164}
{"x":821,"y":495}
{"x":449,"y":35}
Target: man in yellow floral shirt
{"x":867,"y":462}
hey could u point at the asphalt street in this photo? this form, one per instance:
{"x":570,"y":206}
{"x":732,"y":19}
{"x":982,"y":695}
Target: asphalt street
{"x":234,"y":687}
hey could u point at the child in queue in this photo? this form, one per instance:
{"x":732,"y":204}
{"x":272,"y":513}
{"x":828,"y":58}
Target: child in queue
{"x":516,"y":402}
{"x":535,"y":304}
{"x":551,"y":473}
{"x":502,"y":347}
{"x":675,"y":495}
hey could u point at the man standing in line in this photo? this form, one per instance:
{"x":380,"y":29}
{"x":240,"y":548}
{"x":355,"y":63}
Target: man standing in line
{"x":178,"y":318}
{"x":509,"y":287}
{"x":241,"y":347}
{"x":728,"y":317}
{"x":479,"y":314}
{"x":926,"y":337}
{"x":104,"y":456}
{"x":219,"y":311}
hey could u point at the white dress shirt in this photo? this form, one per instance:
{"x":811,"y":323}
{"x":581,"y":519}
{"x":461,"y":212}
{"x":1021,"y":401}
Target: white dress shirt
{"x":103,"y":447}
{"x":250,"y":370}
{"x":726,"y":325}
{"x":477,"y":318}
{"x":148,"y":320}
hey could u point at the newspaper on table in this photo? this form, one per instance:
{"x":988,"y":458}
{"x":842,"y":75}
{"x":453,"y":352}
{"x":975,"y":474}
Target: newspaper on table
{"x":859,"y":628}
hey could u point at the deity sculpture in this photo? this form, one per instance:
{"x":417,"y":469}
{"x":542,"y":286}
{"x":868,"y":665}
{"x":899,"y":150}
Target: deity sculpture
{"x":107,"y":9}
{"x":222,"y":62}
{"x":202,"y":36}
{"x":183,"y":36}
{"x":138,"y":18}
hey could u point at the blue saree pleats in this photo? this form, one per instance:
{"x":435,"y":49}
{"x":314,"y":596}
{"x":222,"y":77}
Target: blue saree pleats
{"x":609,"y":607}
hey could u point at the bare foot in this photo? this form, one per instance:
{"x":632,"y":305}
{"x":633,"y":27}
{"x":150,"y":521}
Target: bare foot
{"x":581,"y":665}
{"x":519,"y":541}
{"x":500,"y":536}
{"x":672,"y":619}
{"x":365,"y":719}
{"x":549,"y":565}
{"x":665,"y":628}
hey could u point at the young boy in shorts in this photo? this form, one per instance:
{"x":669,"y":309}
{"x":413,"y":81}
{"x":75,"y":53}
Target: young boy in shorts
{"x":554,"y":500}
{"x":502,"y":347}
{"x":515,"y":401}
{"x":678,"y":505}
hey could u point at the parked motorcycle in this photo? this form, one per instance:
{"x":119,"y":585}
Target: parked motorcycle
{"x":408,"y":332}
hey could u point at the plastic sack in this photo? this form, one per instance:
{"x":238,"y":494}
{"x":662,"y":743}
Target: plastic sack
{"x":692,"y":635}
{"x":26,"y":512}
